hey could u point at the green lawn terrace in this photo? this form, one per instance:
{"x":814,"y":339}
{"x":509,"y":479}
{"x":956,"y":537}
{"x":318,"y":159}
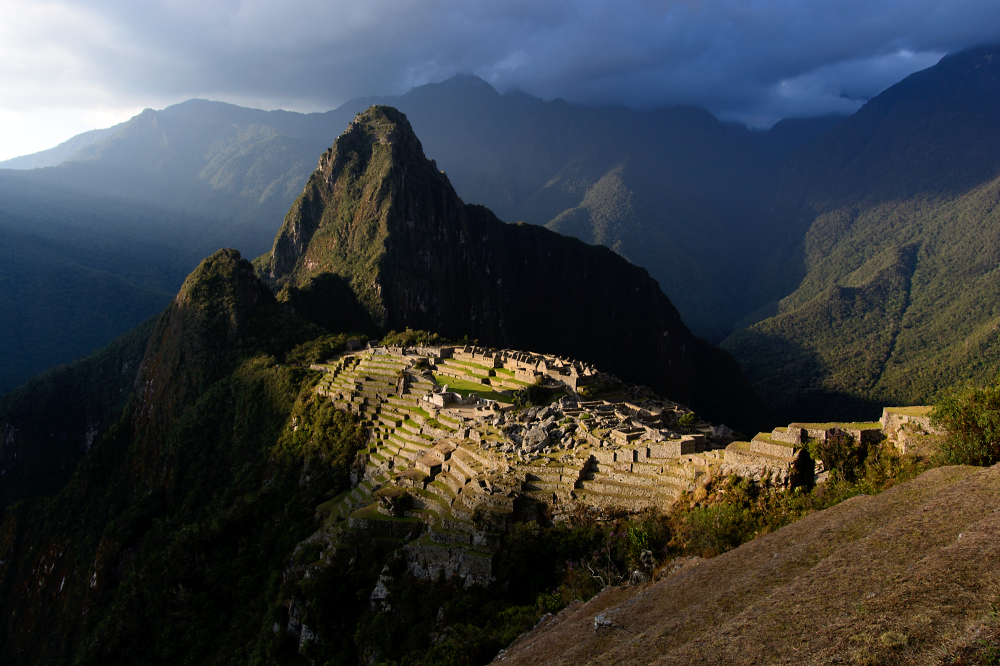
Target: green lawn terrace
{"x":910,"y":429}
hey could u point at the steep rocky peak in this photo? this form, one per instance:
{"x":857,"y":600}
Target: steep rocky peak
{"x":196,"y":338}
{"x":372,"y":180}
{"x":379,"y":130}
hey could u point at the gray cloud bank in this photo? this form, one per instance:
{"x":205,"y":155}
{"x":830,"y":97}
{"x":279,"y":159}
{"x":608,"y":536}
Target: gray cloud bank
{"x":750,"y":60}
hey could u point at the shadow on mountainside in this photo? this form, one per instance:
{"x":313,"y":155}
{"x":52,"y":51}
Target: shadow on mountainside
{"x":793,"y":380}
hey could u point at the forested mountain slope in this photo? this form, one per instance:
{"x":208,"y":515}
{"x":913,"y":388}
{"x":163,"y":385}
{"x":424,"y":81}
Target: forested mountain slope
{"x":895,"y":273}
{"x":185,"y":507}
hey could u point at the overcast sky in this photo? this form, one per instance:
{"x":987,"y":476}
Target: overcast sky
{"x":72,"y":65}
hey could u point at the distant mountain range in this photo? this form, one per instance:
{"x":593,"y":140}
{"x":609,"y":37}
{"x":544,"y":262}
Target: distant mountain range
{"x":155,"y":194}
{"x":857,"y":251}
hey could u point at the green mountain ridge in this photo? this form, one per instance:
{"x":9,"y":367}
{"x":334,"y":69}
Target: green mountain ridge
{"x":895,"y":299}
{"x":201,"y":175}
{"x":173,"y":490}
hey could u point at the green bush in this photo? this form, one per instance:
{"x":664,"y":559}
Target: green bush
{"x":715,"y":529}
{"x":687,"y":419}
{"x":971,"y":417}
{"x":319,"y":349}
{"x":842,"y":454}
{"x":411,"y":338}
{"x":532,"y":396}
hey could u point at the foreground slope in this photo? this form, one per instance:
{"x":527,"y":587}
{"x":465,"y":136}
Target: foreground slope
{"x":904,"y":577}
{"x":894,"y":276}
{"x":381,"y":217}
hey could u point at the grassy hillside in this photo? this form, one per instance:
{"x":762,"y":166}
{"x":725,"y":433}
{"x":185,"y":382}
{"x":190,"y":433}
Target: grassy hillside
{"x":904,"y":577}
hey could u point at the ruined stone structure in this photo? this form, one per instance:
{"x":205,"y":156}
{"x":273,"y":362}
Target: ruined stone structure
{"x":910,"y":428}
{"x":447,"y":470}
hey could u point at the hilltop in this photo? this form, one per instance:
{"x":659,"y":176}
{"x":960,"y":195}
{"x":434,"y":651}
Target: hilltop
{"x":265,"y":496}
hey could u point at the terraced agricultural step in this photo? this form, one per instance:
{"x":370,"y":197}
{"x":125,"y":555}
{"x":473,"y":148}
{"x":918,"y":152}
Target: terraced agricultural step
{"x":441,"y":534}
{"x":462,"y":515}
{"x":450,"y":420}
{"x":469,"y":468}
{"x":611,"y":500}
{"x":617,"y":488}
{"x":445,"y":492}
{"x":549,"y":486}
{"x":450,"y":480}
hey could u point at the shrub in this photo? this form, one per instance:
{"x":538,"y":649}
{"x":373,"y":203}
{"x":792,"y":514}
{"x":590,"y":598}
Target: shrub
{"x":971,"y":417}
{"x":687,"y":419}
{"x":411,"y":338}
{"x":534,"y":395}
{"x":713,"y":530}
{"x":841,"y":453}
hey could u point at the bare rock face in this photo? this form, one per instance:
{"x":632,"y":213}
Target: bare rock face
{"x":382,"y":217}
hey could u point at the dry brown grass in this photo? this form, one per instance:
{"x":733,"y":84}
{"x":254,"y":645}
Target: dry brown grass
{"x":906,"y":577}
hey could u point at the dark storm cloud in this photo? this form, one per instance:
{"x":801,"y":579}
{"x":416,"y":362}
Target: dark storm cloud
{"x":755,"y":60}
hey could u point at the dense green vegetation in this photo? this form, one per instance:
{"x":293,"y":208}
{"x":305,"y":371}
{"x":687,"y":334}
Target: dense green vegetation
{"x":411,"y":338}
{"x":172,"y":534}
{"x":732,"y":511}
{"x":48,"y":424}
{"x":59,"y":302}
{"x":893,"y":284}
{"x":971,"y":419}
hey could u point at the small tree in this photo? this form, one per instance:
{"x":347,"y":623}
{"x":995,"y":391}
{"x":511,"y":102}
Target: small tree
{"x":971,"y":419}
{"x":687,"y":420}
{"x":839,"y":451}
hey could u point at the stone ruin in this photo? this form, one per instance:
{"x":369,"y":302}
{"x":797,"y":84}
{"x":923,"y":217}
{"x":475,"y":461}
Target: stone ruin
{"x":447,"y":471}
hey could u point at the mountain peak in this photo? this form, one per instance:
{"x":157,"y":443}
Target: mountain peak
{"x":464,"y":82}
{"x":378,"y":125}
{"x":367,"y":183}
{"x":381,"y":217}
